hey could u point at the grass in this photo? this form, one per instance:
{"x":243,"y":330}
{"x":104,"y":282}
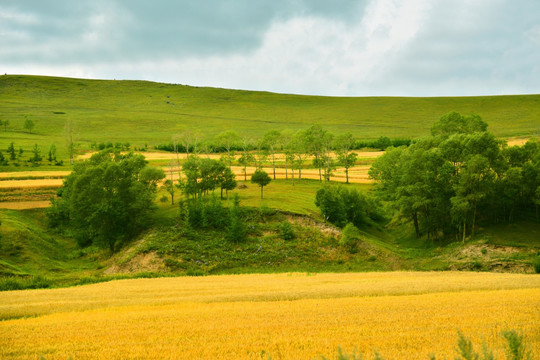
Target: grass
{"x":29,"y":248}
{"x":290,"y":316}
{"x":102,"y":110}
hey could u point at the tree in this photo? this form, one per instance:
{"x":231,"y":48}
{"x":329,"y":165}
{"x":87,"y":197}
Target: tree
{"x":36,"y":154}
{"x":105,"y":201}
{"x":28,"y":124}
{"x":3,"y":160}
{"x":247,"y":157}
{"x":228,"y":140}
{"x":236,"y":228}
{"x":271,"y":141}
{"x":455,"y":123}
{"x":316,"y":141}
{"x":69,"y":130}
{"x":52,"y":153}
{"x":261,"y":178}
{"x":346,"y":157}
{"x":6,"y":124}
{"x":226,"y":181}
{"x":11,"y":151}
{"x":169,"y":187}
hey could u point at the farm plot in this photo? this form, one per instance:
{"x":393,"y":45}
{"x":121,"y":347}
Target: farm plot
{"x":288,"y":316}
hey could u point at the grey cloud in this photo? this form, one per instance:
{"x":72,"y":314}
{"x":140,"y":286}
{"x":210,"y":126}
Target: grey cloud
{"x":145,"y":29}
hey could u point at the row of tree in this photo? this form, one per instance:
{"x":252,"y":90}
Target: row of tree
{"x":296,"y":147}
{"x":444,"y":184}
{"x":15,"y":156}
{"x":28,"y":124}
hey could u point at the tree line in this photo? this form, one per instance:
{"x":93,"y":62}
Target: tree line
{"x":15,"y":156}
{"x":462,"y":174}
{"x":326,"y":149}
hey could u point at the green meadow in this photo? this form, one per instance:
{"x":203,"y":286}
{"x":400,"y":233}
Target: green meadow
{"x":142,"y":112}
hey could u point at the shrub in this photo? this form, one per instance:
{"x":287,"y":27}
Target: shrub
{"x":350,"y":238}
{"x":536,"y":265}
{"x":340,"y":206}
{"x":287,"y":231}
{"x":236,"y":229}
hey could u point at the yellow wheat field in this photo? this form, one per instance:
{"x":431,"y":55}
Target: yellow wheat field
{"x":289,"y":316}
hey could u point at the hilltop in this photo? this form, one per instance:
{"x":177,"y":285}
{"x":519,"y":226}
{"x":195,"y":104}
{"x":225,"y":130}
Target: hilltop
{"x":143,"y":112}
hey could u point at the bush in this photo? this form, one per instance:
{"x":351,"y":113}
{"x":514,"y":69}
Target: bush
{"x":20,"y":283}
{"x":536,"y":265}
{"x":287,"y":231}
{"x":236,"y":229}
{"x":340,"y":206}
{"x":350,"y":238}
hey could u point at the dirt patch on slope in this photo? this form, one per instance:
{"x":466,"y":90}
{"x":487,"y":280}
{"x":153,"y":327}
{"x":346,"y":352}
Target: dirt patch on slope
{"x":143,"y":262}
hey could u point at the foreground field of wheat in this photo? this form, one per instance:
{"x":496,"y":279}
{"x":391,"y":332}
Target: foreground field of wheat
{"x":289,"y":316}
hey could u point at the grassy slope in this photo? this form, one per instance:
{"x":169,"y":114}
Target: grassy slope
{"x":104,"y":109}
{"x":28,"y":247}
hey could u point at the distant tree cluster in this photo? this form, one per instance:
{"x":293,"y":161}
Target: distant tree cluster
{"x":327,"y":150}
{"x":340,"y":206}
{"x":15,"y":157}
{"x":107,"y":199}
{"x":444,"y":184}
{"x":202,"y":175}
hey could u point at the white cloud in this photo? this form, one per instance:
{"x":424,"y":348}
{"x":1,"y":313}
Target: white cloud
{"x":417,"y":47}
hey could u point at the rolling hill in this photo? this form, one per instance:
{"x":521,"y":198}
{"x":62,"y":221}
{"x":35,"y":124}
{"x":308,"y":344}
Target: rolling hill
{"x":142,"y":112}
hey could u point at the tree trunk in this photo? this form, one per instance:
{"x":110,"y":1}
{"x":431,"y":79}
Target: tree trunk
{"x":261,"y":192}
{"x":274,"y":166}
{"x":347,"y":174}
{"x":416,"y":227}
{"x":221,"y":194}
{"x":473,"y":221}
{"x":245,"y":172}
{"x":464,"y":230}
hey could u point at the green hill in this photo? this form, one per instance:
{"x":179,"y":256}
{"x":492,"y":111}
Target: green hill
{"x":142,"y":112}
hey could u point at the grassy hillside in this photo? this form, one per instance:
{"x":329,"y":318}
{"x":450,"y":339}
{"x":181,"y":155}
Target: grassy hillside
{"x":142,"y":112}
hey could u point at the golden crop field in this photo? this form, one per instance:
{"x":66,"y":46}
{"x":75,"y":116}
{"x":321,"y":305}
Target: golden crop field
{"x":289,"y":316}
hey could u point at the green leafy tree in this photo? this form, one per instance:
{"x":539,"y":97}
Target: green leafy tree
{"x":104,"y":201}
{"x":317,"y":142}
{"x":228,"y":140}
{"x":170,"y":188}
{"x":28,"y":124}
{"x":3,"y":160}
{"x":346,"y":157}
{"x":271,"y":140}
{"x":6,"y":124}
{"x":455,"y":123}
{"x":52,"y":154}
{"x":11,"y":151}
{"x":236,"y":228}
{"x":247,"y":157}
{"x":226,"y":180}
{"x":350,"y":238}
{"x":261,"y":178}
{"x":36,"y":154}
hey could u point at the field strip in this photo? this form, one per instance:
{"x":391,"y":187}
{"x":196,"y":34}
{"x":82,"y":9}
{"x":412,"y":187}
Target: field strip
{"x":38,"y":173}
{"x":24,"y":205}
{"x":401,"y":315}
{"x":39,"y":183}
{"x":253,"y":287}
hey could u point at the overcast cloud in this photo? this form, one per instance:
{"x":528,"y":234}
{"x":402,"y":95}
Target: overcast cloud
{"x":327,"y":47}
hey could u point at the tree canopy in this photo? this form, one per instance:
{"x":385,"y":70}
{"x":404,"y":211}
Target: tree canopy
{"x":106,"y":200}
{"x":444,"y":183}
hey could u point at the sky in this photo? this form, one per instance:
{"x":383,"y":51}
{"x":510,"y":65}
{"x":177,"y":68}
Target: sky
{"x":315,"y":47}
